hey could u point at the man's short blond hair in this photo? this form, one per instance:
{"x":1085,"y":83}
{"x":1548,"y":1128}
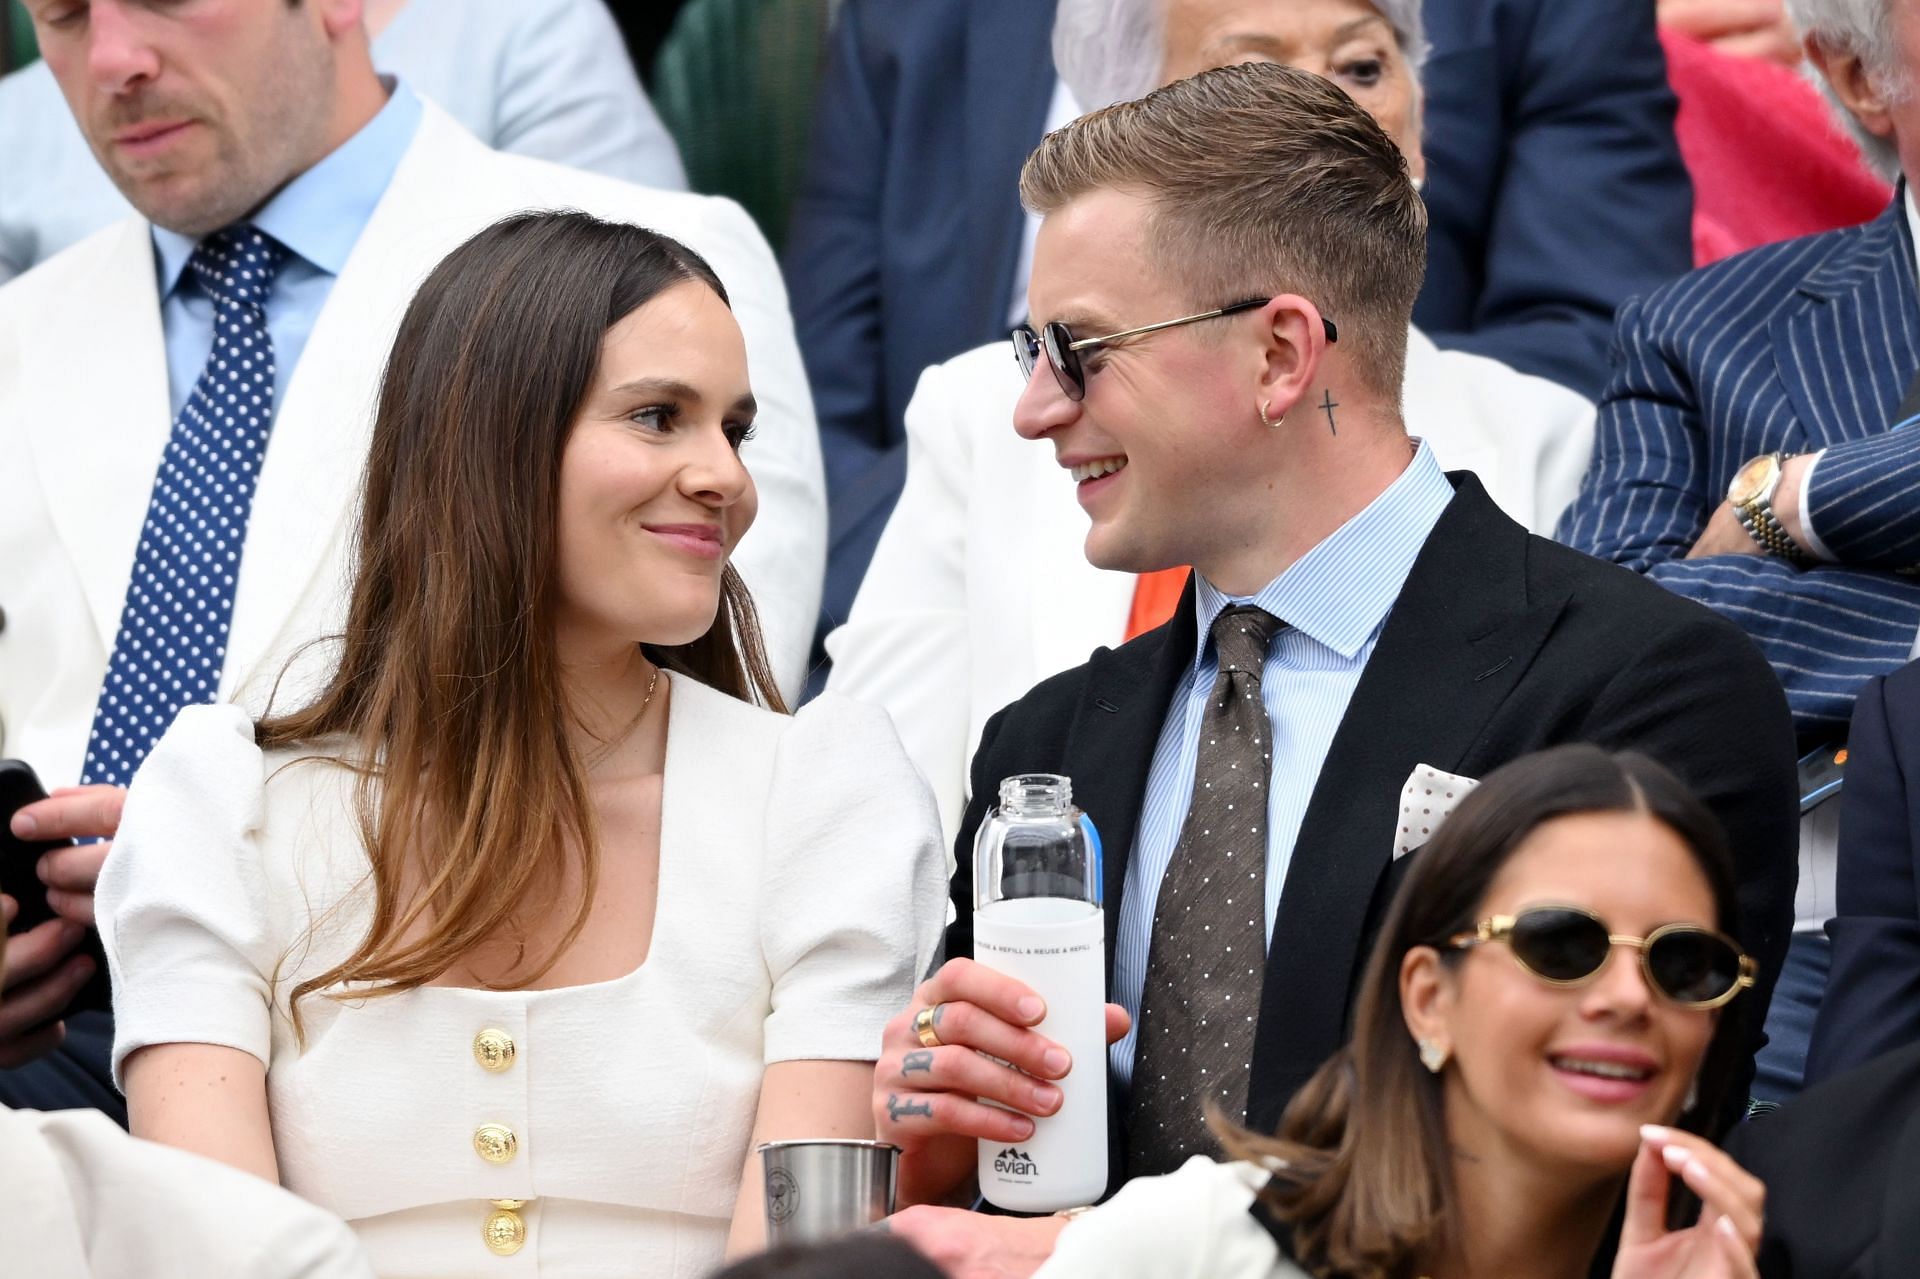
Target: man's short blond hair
{"x":1262,"y":179}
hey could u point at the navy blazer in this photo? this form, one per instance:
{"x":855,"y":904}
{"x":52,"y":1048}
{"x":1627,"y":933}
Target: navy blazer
{"x":1554,"y":186}
{"x":1796,"y":346}
{"x":1872,"y":1004}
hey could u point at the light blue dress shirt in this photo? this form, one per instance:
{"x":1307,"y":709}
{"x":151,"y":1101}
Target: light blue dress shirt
{"x":542,"y":78}
{"x":318,"y":217}
{"x":1333,"y":602}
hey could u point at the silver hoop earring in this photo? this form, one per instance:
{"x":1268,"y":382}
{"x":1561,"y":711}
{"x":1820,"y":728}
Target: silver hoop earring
{"x":1433,"y":1056}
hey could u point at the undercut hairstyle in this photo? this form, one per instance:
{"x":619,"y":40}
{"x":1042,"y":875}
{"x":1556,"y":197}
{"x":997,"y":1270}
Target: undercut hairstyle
{"x":449,"y":699}
{"x":1262,"y":179}
{"x":1863,"y":28}
{"x":1363,"y":1170}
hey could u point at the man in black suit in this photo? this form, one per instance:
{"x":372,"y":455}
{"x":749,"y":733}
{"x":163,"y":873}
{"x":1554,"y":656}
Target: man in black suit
{"x":1872,"y":1004}
{"x":1842,"y":1163}
{"x":1225,"y":272}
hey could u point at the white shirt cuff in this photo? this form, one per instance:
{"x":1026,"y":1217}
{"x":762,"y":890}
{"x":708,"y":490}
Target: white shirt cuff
{"x":1807,"y":533}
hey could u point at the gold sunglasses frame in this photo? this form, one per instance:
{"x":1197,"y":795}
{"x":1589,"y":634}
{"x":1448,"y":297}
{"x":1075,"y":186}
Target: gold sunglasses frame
{"x":1499,"y":928}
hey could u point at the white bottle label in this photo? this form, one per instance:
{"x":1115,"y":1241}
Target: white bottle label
{"x":1056,"y":946}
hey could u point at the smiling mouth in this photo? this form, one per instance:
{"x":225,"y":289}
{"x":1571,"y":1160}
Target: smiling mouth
{"x":1602,"y":1069}
{"x":1095,"y":469}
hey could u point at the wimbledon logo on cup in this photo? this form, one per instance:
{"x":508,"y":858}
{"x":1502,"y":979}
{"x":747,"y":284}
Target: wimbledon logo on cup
{"x":783,"y":1195}
{"x":1015,"y":1163}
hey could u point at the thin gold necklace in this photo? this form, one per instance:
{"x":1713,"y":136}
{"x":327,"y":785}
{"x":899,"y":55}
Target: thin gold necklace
{"x":613,"y":743}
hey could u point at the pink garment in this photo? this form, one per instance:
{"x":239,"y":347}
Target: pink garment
{"x":1768,"y":160}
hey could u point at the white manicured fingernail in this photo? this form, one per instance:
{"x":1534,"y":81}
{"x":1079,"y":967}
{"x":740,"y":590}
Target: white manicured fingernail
{"x":1677,"y":1157}
{"x":1654,"y":1132}
{"x":1725,"y":1227}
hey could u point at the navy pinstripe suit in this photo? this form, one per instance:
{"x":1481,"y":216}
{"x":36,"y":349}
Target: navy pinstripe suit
{"x":1797,"y":346}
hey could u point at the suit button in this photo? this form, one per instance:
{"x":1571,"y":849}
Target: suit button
{"x":494,"y":1050}
{"x":505,"y":1230}
{"x":496,"y":1144}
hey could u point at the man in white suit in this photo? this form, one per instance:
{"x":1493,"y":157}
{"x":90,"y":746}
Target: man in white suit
{"x":262,"y":119}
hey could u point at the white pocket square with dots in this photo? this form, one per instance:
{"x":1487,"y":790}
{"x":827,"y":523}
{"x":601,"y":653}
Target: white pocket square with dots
{"x":1425,"y":800}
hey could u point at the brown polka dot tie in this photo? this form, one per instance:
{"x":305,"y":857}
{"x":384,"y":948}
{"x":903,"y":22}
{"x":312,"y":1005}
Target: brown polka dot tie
{"x":1208,"y":953}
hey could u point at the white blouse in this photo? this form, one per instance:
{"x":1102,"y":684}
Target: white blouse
{"x":801,"y":896}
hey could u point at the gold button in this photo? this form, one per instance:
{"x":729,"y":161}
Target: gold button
{"x":495,"y":1144}
{"x":505,"y":1231}
{"x":494,"y":1050}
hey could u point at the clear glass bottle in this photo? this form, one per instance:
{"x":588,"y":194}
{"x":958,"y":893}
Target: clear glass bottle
{"x":1037,"y":918}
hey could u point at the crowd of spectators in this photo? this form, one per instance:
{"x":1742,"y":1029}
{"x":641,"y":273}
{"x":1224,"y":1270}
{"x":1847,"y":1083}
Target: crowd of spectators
{"x":519,"y":666}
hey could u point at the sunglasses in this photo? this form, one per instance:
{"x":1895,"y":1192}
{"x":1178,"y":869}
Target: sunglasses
{"x":1685,"y":964}
{"x":1063,"y":349}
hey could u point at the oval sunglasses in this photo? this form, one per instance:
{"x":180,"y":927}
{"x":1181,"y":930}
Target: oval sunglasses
{"x":1063,"y":349}
{"x":1685,"y":964}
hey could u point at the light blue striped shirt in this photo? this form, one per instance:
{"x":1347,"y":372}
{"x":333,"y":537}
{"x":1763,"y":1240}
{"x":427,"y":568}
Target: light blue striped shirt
{"x":1333,"y":601}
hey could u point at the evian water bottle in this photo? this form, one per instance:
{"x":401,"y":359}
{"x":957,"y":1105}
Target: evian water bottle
{"x":1037,"y":918}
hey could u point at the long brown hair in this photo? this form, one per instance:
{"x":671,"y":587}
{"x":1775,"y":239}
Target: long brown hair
{"x":1361,"y":1165}
{"x":448,"y":698}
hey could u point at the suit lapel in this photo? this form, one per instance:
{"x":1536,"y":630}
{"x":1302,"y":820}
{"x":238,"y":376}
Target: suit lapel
{"x":1008,"y":84}
{"x":1846,"y":356}
{"x":1110,"y":744}
{"x":96,"y":447}
{"x":311,"y":479}
{"x":1460,"y":637}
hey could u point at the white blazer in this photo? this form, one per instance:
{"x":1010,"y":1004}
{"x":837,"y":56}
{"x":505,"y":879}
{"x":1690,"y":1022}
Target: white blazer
{"x":84,"y":418}
{"x":86,"y":1201}
{"x":979,"y":588}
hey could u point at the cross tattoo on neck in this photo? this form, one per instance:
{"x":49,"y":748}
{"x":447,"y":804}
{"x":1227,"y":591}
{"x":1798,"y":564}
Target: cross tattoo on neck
{"x":1328,"y":404}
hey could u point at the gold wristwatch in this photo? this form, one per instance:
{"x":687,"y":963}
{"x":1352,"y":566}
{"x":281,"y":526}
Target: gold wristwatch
{"x":1751,"y":495}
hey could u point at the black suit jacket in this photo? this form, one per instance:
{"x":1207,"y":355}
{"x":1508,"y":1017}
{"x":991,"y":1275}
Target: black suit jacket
{"x":1872,"y":1004}
{"x":1842,"y":1167}
{"x":1500,"y":643}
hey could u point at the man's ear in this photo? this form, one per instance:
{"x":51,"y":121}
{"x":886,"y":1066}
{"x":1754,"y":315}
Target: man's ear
{"x":1857,"y":89}
{"x":1427,"y":993}
{"x":1295,"y":344}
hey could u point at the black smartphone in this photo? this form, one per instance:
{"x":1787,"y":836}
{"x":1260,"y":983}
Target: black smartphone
{"x":20,"y":786}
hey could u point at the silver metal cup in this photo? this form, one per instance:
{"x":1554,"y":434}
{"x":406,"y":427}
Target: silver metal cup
{"x":826,"y":1188}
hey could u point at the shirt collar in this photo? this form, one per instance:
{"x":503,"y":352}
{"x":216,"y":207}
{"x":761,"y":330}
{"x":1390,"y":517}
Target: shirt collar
{"x":320,"y":214}
{"x":1339,"y":592}
{"x":1913,"y":221}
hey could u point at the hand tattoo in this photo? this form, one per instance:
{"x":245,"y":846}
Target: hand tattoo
{"x":919,"y":1062}
{"x":898,"y":1110}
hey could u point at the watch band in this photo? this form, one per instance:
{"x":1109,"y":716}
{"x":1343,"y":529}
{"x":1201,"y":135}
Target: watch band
{"x":1765,"y":528}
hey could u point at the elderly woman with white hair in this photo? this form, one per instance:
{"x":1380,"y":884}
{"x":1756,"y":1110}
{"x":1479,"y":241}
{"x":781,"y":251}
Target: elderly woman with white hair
{"x":978,"y":589}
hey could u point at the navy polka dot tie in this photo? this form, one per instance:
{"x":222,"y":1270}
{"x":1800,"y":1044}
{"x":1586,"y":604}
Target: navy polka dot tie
{"x":173,"y":626}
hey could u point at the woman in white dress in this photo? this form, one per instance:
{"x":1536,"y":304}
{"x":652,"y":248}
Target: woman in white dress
{"x":1544,"y":1027}
{"x":510,"y":942}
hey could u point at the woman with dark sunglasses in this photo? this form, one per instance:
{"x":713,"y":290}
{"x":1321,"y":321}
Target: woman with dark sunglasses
{"x":1543,"y":1028}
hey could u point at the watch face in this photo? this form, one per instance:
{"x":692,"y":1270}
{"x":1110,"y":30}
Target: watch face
{"x":1750,"y":480}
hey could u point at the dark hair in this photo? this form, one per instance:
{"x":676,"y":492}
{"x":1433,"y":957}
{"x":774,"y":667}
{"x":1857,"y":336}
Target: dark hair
{"x":1262,"y":177}
{"x":867,"y":1256}
{"x":1362,"y":1173}
{"x":449,"y":690}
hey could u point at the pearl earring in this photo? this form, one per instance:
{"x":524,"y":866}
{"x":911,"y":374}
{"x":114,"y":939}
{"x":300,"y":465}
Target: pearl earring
{"x":1432,"y":1055}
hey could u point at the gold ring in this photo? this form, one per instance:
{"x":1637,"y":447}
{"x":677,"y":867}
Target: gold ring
{"x":923,"y":1026}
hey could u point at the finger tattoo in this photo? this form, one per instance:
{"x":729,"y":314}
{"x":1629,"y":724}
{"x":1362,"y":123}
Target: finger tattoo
{"x":898,"y":1109}
{"x":919,"y":1062}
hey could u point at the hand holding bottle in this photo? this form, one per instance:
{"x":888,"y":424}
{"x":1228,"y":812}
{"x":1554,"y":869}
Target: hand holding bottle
{"x":927,"y":1100}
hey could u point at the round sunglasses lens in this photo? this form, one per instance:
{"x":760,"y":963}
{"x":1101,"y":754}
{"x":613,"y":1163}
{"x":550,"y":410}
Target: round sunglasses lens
{"x":1560,"y":945}
{"x":1693,"y":966}
{"x":1065,"y":360}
